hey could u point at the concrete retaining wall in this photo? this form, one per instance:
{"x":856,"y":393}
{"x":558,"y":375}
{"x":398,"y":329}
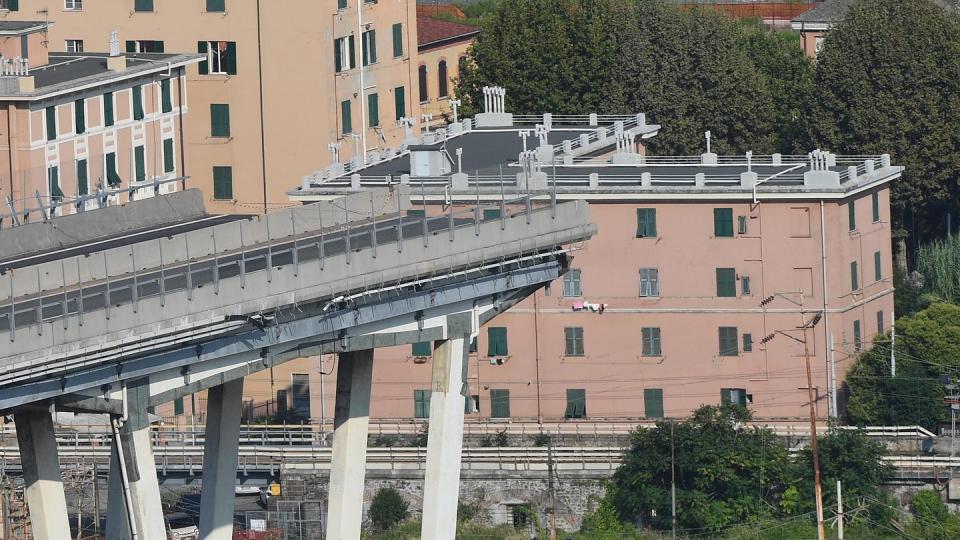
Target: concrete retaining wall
{"x":111,"y":221}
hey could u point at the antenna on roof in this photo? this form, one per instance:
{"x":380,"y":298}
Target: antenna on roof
{"x":524,"y":133}
{"x":707,"y":136}
{"x":455,"y":104}
{"x":114,"y":43}
{"x":750,"y":161}
{"x":334,"y":149}
{"x":426,"y":118}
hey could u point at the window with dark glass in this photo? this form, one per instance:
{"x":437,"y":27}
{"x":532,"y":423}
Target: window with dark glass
{"x":651,"y":341}
{"x":422,"y":80}
{"x":646,"y":222}
{"x":573,"y":341}
{"x":726,"y":282}
{"x":576,"y":403}
{"x":723,"y":222}
{"x":728,"y":341}
{"x":442,"y":79}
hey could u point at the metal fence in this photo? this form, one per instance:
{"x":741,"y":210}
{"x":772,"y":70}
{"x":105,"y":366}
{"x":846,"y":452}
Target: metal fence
{"x":292,"y":520}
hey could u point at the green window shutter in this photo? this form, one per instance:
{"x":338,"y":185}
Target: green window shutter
{"x":416,"y":213}
{"x":219,"y":120}
{"x":216,"y":6}
{"x":400,"y":102}
{"x":223,"y":183}
{"x":857,"y":339}
{"x":422,"y":348}
{"x":53,"y":179}
{"x":231,"y":60}
{"x":421,"y":403}
{"x":576,"y":403}
{"x":130,"y":46}
{"x":442,"y":90}
{"x":571,"y":284}
{"x":83,"y":182}
{"x":113,"y":178}
{"x":337,"y":55}
{"x":168,"y":158}
{"x":496,"y":341}
{"x":13,"y":5}
{"x":166,"y":96}
{"x":852,"y":215}
{"x":491,"y":213}
{"x":204,"y":66}
{"x":723,"y":222}
{"x":651,"y":342}
{"x":728,"y":341}
{"x":143,"y":5}
{"x":499,"y":403}
{"x":178,"y":406}
{"x":726,"y":282}
{"x":854,"y":277}
{"x":108,"y":109}
{"x":139,"y":158}
{"x":80,"y":115}
{"x":373,"y":108}
{"x":573,"y":341}
{"x":397,"y":40}
{"x":138,"y":102}
{"x":653,"y":402}
{"x":346,"y":117}
{"x":352,"y":51}
{"x":51,"y":117}
{"x":646,"y":222}
{"x":875,"y":199}
{"x":877,"y":268}
{"x":748,"y":343}
{"x":373,"y":46}
{"x":341,"y":4}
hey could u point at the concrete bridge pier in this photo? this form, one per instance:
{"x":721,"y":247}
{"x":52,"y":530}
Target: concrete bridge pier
{"x":220,"y":451}
{"x":133,"y":484}
{"x":441,"y":487}
{"x":348,"y":466}
{"x":41,"y":474}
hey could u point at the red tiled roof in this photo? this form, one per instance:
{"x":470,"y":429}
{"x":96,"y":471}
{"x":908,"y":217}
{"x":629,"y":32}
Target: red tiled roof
{"x":430,"y":30}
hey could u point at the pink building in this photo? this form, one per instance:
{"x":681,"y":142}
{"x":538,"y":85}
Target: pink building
{"x":86,"y":129}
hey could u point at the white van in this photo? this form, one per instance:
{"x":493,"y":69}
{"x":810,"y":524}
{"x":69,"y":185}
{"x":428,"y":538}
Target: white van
{"x":181,"y":526}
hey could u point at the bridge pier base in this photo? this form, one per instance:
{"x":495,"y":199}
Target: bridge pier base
{"x":441,"y":485}
{"x":41,"y":474}
{"x":349,"y":461}
{"x":220,"y":460}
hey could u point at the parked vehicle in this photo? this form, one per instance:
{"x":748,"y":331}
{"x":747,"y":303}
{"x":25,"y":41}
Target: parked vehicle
{"x":181,"y":526}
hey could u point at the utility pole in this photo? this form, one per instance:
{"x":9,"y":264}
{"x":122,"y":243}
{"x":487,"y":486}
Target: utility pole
{"x":893,"y":339}
{"x":96,"y":500}
{"x":673,"y":487}
{"x":553,"y":502}
{"x":839,"y":512}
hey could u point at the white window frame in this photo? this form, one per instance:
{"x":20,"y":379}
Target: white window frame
{"x":215,"y":64}
{"x":346,"y":59}
{"x":73,"y":45}
{"x":73,"y":5}
{"x":649,"y":284}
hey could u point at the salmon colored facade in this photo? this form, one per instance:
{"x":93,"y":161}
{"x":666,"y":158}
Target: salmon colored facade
{"x":442,"y":53}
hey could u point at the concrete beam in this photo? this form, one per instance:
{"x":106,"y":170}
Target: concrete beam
{"x":220,"y":460}
{"x":441,"y":486}
{"x":349,"y":461}
{"x":77,"y":403}
{"x":41,"y":475}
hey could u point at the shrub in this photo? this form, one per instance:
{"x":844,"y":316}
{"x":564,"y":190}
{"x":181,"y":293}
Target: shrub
{"x":387,"y":509}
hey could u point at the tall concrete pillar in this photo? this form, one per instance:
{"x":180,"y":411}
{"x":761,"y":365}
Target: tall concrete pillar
{"x":133,"y":444}
{"x":349,"y":463}
{"x":41,"y":475}
{"x":220,"y":460}
{"x":441,"y":487}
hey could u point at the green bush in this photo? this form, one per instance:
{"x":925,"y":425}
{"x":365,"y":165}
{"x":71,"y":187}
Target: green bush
{"x":387,"y":509}
{"x":932,"y":519}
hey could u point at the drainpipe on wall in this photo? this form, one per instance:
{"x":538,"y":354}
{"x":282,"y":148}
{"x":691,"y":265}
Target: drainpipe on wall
{"x":363,"y":98}
{"x":827,"y":346}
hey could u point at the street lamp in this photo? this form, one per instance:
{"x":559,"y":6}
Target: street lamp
{"x":805,"y":325}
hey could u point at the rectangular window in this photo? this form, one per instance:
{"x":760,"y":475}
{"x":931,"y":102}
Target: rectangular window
{"x":144,"y":46}
{"x":471,"y":405}
{"x":422,"y":83}
{"x":649,"y":282}
{"x":223,"y":183}
{"x":166,"y":97}
{"x":344,"y":54}
{"x":417,"y":213}
{"x":741,"y":224}
{"x":399,"y":102}
{"x":421,"y":403}
{"x":108,"y":109}
{"x":138,"y":102}
{"x":346,"y":117}
{"x":653,"y":402}
{"x":73,"y":5}
{"x":51,"y":117}
{"x":576,"y":403}
{"x":73,"y":45}
{"x":571,"y":283}
{"x":745,"y":285}
{"x":857,"y":339}
{"x":219,"y":120}
{"x":83,"y":182}
{"x":341,"y":4}
{"x":216,"y":6}
{"x":282,"y":401}
{"x":651,"y":341}
{"x":877,"y":268}
{"x":880,"y":322}
{"x":178,"y":406}
{"x":854,"y":277}
{"x":368,"y":41}
{"x":736,"y":396}
{"x":499,"y":403}
{"x":852,"y":215}
{"x":221,"y":57}
{"x":143,"y":5}
{"x":422,"y":349}
{"x":169,"y":160}
{"x":573,"y":340}
{"x":11,"y":5}
{"x":726,"y":282}
{"x":728,"y":341}
{"x":80,"y":115}
{"x":300,"y":394}
{"x":875,"y":200}
{"x":723,"y":222}
{"x":110,"y":166}
{"x":53,"y":183}
{"x":748,"y":343}
{"x":140,"y":163}
{"x":373,"y":108}
{"x":497,"y":341}
{"x":397,"y":40}
{"x":491,"y":213}
{"x":646,"y":222}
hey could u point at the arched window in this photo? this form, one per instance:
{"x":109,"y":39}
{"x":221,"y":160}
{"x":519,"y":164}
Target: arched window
{"x":424,"y":94}
{"x":442,"y":78}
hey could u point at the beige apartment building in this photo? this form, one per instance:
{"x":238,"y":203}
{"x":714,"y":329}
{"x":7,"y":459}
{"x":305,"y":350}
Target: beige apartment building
{"x":442,"y":46}
{"x":85,"y":129}
{"x":279,"y":83}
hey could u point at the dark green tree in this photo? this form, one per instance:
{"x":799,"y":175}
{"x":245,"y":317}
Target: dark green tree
{"x":888,"y":81}
{"x":387,"y":509}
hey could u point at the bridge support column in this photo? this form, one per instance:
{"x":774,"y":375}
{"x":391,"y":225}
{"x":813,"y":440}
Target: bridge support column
{"x":349,"y":462}
{"x":441,"y":487}
{"x":41,"y":474}
{"x":133,"y":444}
{"x":220,"y":460}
